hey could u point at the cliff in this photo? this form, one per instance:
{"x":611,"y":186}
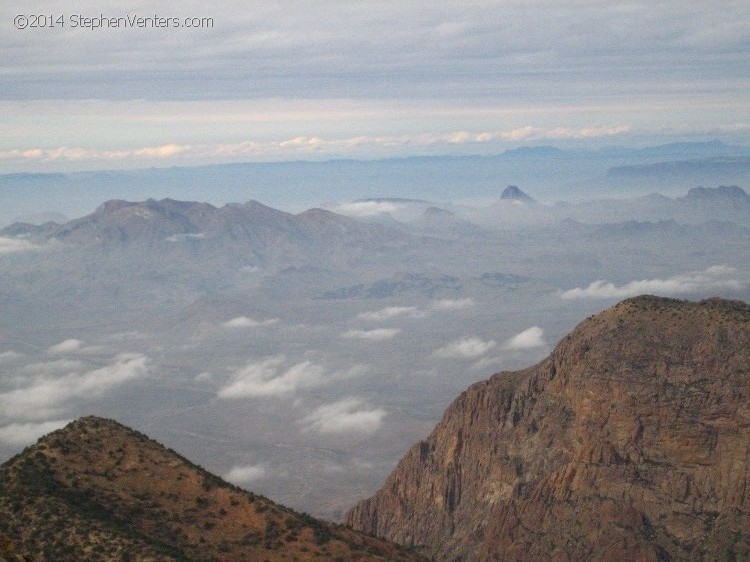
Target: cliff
{"x":631,"y":441}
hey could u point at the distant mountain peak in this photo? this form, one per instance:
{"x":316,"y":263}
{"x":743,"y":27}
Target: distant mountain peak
{"x":514,"y":193}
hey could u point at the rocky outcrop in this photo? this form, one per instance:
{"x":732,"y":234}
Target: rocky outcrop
{"x":631,"y":441}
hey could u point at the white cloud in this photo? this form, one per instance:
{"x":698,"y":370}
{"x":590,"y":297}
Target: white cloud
{"x":245,"y":322}
{"x":245,"y":474}
{"x":12,"y":245}
{"x":75,"y":154}
{"x":267,"y":378}
{"x":56,"y":367}
{"x":466,"y":348}
{"x":715,"y":278}
{"x":28,"y":433}
{"x":66,"y":346}
{"x":317,"y":145}
{"x":386,"y":313}
{"x":366,"y":208}
{"x":379,"y":334}
{"x":533,"y":337}
{"x":453,"y":304}
{"x":345,"y":416}
{"x":48,"y":395}
{"x":189,"y":236}
{"x":10,"y":355}
{"x":486,"y":363}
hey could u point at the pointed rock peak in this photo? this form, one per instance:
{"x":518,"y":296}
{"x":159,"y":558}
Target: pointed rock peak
{"x":514,"y":193}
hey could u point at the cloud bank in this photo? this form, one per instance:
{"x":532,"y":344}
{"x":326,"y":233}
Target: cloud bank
{"x":715,"y":278}
{"x":13,"y":245}
{"x":366,"y":208}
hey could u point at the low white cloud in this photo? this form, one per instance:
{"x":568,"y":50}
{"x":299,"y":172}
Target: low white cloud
{"x":189,"y":236}
{"x":245,"y":322}
{"x":20,"y":434}
{"x":56,"y":367}
{"x":466,"y":348}
{"x":269,"y":378}
{"x":307,"y":146}
{"x":66,"y":346}
{"x":533,"y":337}
{"x":245,"y":474}
{"x":10,"y":355}
{"x":366,"y":208}
{"x":386,"y":313}
{"x":349,"y":415}
{"x":486,"y":363}
{"x":48,"y":395}
{"x":715,"y":278}
{"x":453,"y":304}
{"x":77,"y":154}
{"x":379,"y":334}
{"x":12,"y":245}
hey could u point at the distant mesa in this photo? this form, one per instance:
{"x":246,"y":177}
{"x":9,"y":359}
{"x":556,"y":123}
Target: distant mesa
{"x":514,"y":193}
{"x":721,"y":192}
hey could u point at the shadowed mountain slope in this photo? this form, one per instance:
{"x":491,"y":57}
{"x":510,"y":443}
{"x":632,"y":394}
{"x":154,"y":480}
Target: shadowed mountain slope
{"x":631,"y":441}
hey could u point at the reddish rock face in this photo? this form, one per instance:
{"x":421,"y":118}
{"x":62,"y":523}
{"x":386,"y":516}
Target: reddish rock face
{"x":631,"y":441}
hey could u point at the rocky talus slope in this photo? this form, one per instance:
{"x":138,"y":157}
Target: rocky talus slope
{"x":631,"y":441}
{"x":96,"y":490}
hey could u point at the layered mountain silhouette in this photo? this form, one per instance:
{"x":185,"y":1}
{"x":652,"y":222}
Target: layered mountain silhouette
{"x":171,"y":220}
{"x":631,"y":441}
{"x":96,"y":490}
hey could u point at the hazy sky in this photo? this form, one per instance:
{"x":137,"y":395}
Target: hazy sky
{"x":287,"y":80}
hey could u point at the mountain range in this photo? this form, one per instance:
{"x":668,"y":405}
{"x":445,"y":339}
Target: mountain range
{"x":545,"y":172}
{"x":316,"y":347}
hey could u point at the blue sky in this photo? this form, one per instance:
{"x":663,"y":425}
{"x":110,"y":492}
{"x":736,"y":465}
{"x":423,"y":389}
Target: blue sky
{"x":316,"y":80}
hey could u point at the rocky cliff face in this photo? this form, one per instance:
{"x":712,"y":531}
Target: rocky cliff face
{"x":631,"y":441}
